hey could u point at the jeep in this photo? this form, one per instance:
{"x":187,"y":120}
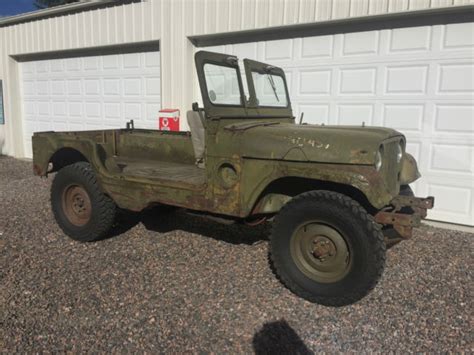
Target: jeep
{"x":336,"y":196}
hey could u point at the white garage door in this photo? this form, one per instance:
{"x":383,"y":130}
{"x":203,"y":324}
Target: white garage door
{"x":87,"y":93}
{"x":418,"y":80}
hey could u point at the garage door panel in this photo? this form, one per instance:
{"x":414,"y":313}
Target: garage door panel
{"x":452,"y":159}
{"x":410,"y":39}
{"x":418,"y":80}
{"x":316,"y":114}
{"x":450,"y":118}
{"x":90,"y":63}
{"x":317,"y":47}
{"x":355,"y":114}
{"x":247,"y":49}
{"x":152,"y":60}
{"x":93,"y":110}
{"x":29,"y":88}
{"x":93,"y":92}
{"x":278,"y":50}
{"x":132,"y":87}
{"x":42,"y":67}
{"x":406,"y":79}
{"x":152,"y":86}
{"x":74,"y":87}
{"x":455,"y":36}
{"x":360,"y":43}
{"x":92,"y":87}
{"x":456,"y":78}
{"x":453,"y":202}
{"x":111,"y":87}
{"x":131,"y":60}
{"x":359,"y":81}
{"x":71,"y":64}
{"x":404,"y":117}
{"x":58,"y":88}
{"x":110,"y":62}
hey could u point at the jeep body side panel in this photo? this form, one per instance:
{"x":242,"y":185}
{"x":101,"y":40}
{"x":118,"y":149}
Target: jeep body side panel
{"x":269,"y":150}
{"x":102,"y":149}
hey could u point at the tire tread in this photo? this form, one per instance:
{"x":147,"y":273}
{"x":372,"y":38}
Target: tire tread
{"x":105,"y":209}
{"x":373,"y":229}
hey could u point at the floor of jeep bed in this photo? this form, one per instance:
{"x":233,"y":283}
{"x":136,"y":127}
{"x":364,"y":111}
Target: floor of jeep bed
{"x":187,"y":173}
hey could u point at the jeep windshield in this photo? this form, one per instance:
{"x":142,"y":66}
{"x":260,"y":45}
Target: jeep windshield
{"x":269,"y":90}
{"x":222,"y":88}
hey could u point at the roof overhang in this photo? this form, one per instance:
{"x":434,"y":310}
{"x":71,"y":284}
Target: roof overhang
{"x":409,"y":18}
{"x":81,"y":5}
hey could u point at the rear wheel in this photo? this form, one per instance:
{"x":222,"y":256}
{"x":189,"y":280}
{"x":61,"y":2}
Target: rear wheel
{"x":326,"y":248}
{"x":81,"y":209}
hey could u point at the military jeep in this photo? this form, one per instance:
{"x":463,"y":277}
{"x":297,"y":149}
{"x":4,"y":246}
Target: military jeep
{"x":335,"y":195}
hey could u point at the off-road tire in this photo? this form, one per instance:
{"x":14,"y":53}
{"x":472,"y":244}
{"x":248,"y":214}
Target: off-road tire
{"x":102,"y":208}
{"x":361,"y":233}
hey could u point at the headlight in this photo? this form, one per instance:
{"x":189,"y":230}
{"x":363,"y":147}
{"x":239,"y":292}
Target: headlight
{"x":378,"y":159}
{"x":399,"y":152}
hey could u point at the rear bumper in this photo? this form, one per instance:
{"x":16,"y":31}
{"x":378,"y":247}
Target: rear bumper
{"x":404,"y":221}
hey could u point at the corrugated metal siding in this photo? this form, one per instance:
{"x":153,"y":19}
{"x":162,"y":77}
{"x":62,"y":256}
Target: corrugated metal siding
{"x":128,"y":23}
{"x":169,"y":21}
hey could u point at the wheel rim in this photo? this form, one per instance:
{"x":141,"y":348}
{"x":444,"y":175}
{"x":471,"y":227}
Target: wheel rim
{"x":76,"y":205}
{"x":320,"y":252}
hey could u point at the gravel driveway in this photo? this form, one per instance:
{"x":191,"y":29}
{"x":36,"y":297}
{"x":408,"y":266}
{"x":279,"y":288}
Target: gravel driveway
{"x":180,"y":284}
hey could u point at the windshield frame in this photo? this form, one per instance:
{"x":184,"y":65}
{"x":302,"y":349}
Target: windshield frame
{"x":254,"y":100}
{"x":252,"y":66}
{"x":239,"y":83}
{"x":225,"y":60}
{"x":248,"y":108}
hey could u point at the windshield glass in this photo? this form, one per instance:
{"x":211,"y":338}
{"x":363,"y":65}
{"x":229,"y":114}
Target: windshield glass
{"x":270,"y":90}
{"x":222,"y":85}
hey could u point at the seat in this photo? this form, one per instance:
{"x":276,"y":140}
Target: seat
{"x":198,"y":133}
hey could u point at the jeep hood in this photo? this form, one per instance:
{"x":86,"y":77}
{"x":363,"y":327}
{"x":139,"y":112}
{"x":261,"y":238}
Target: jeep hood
{"x":315,"y":143}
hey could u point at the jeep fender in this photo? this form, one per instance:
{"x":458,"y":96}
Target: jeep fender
{"x":44,"y":148}
{"x":266,"y":197}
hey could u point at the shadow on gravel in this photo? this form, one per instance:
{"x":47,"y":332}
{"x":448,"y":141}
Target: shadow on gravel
{"x":165,"y":219}
{"x":278,"y":338}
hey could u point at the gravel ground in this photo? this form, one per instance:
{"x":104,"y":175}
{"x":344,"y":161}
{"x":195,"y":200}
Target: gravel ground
{"x":181,"y":284}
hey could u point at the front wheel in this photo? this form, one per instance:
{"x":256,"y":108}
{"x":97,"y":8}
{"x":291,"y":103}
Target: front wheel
{"x":327,"y":249}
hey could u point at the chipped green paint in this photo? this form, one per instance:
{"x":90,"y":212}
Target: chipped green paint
{"x":253,"y":155}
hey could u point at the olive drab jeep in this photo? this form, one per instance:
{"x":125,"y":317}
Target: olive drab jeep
{"x":336,"y":195}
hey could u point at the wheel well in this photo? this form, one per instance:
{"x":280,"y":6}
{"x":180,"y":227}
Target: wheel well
{"x":292,"y":186}
{"x":64,"y":157}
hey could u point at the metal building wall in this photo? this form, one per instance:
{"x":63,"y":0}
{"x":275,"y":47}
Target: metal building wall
{"x":122,"y":24}
{"x":170,"y":22}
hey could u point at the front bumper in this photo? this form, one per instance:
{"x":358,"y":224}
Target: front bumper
{"x":406,"y":213}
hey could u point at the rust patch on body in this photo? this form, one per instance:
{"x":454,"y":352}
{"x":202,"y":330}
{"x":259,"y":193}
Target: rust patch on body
{"x":404,"y":223}
{"x":37,"y":170}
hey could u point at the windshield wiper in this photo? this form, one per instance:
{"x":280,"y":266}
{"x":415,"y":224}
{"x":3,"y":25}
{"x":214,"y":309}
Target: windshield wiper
{"x":272,"y":84}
